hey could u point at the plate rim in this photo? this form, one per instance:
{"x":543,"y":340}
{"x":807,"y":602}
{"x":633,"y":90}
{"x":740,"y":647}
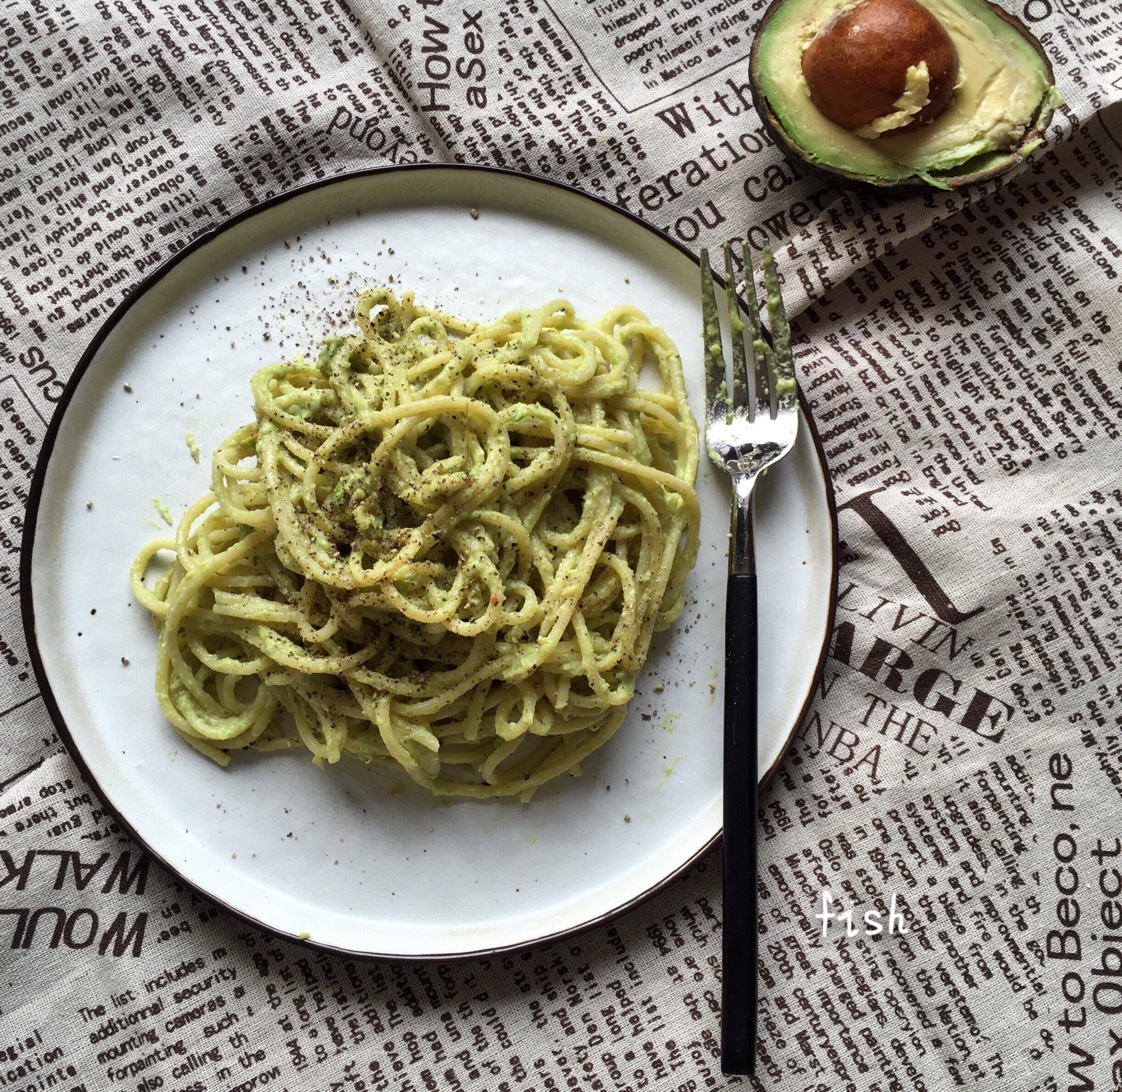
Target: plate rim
{"x":35,"y":496}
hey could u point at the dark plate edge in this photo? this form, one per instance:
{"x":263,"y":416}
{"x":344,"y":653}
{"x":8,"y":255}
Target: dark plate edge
{"x":27,"y":546}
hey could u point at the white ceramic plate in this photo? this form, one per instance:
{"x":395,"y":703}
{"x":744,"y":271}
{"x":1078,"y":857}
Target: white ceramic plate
{"x":359,"y":859}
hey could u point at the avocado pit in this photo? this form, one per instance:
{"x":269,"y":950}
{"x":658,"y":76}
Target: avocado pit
{"x":881,"y":66}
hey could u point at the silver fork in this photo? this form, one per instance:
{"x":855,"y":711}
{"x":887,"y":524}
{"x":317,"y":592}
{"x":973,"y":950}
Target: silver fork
{"x":746,"y":431}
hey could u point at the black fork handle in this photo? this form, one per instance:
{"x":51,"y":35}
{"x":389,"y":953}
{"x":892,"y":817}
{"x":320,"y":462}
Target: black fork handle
{"x":740,"y":941}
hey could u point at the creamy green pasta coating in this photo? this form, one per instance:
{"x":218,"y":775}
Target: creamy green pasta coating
{"x":443,"y":545}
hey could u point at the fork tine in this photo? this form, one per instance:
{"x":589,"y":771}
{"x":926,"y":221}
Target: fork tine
{"x":758,"y":349}
{"x":783,"y":361}
{"x":716,"y":390}
{"x":739,"y":358}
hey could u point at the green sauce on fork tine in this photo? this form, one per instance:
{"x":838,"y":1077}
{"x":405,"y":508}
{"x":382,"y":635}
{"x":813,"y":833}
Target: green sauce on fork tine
{"x":783,"y":360}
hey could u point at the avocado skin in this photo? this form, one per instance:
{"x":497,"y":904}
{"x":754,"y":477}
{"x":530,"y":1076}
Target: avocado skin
{"x":981,"y":168}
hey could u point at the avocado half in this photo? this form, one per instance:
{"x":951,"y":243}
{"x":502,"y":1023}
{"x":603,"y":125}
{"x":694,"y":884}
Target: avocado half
{"x":1000,"y":109}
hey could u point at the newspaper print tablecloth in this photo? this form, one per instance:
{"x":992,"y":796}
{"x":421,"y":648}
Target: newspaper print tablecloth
{"x":961,"y":354}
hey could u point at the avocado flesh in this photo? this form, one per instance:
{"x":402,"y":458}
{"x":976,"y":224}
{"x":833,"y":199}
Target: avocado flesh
{"x":1004,"y":92}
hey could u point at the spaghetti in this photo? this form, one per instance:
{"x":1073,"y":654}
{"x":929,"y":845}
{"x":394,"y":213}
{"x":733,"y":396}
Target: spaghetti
{"x":444,"y":546}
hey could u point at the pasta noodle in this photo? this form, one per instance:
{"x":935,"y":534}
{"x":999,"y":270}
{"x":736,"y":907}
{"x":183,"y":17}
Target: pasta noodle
{"x":443,"y":545}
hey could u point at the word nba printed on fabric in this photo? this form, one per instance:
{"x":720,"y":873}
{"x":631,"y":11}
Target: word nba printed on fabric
{"x":870,"y":923}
